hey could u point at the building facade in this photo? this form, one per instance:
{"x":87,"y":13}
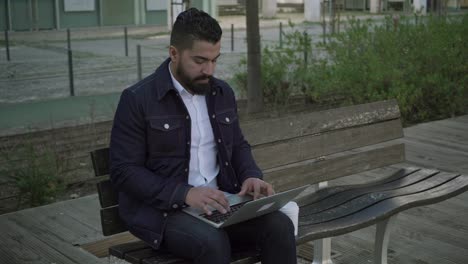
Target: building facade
{"x":24,"y":15}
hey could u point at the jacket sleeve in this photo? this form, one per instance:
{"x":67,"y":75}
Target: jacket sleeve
{"x":128,"y":156}
{"x":242,"y":159}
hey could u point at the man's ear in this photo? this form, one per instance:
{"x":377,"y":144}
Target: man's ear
{"x":173,"y":53}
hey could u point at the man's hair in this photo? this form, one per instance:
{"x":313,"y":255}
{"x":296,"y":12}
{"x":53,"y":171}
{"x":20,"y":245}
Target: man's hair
{"x":194,"y":24}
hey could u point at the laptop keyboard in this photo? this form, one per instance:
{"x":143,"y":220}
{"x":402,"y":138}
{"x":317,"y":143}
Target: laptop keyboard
{"x":219,"y":217}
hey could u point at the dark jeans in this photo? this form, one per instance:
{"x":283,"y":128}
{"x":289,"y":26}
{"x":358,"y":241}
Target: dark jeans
{"x":272,"y":235}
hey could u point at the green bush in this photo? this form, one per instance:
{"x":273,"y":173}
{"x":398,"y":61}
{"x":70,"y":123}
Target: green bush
{"x":34,"y":170}
{"x":422,"y":64}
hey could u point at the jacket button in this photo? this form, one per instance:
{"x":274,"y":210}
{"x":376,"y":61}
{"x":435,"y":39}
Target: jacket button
{"x":155,"y":241}
{"x":188,"y":142}
{"x":166,"y":126}
{"x":186,"y":170}
{"x":213,"y":116}
{"x":235,"y":184}
{"x":219,"y":140}
{"x":187,"y":117}
{"x":175,"y":206}
{"x":214,"y":93}
{"x":165,"y":214}
{"x":227,"y":119}
{"x":226,"y":163}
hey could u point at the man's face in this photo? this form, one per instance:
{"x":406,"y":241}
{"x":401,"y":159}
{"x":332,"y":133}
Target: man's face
{"x":194,"y":67}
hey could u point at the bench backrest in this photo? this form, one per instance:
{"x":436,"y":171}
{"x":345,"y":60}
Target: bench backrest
{"x":301,"y":148}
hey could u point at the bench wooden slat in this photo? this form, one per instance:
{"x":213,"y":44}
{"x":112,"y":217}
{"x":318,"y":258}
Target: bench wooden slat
{"x":136,"y":252}
{"x":348,"y":196}
{"x":149,"y":255}
{"x":334,"y":166}
{"x":107,"y":195}
{"x":121,"y":249}
{"x":136,"y":257}
{"x":268,"y":130}
{"x":327,"y":192}
{"x":100,"y":159}
{"x":371,"y":198}
{"x":373,"y":214}
{"x":159,"y":260}
{"x":326,"y":143}
{"x":111,"y":222}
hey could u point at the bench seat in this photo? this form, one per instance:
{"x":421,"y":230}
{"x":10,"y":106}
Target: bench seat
{"x":339,"y":210}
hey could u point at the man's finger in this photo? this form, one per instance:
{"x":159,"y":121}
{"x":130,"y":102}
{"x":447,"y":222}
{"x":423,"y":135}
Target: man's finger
{"x":218,"y":207}
{"x":220,"y":198}
{"x":206,"y":209}
{"x":243,"y":190}
{"x":257,"y":190}
{"x":270,"y":190}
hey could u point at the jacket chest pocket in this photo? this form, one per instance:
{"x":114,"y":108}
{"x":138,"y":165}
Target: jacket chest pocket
{"x":226,"y":122}
{"x":166,"y":136}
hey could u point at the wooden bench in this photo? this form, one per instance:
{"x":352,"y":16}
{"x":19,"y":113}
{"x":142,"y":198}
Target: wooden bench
{"x":314,"y":148}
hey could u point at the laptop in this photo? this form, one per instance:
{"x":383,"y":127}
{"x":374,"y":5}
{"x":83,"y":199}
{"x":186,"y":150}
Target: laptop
{"x":244,"y":208}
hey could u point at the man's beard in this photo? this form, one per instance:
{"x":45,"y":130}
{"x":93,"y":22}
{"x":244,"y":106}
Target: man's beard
{"x":189,"y":84}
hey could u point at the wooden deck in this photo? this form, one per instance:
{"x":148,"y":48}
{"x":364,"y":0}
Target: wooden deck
{"x":429,"y":234}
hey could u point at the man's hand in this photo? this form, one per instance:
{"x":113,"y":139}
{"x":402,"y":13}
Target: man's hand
{"x":256,"y":187}
{"x":204,"y":197}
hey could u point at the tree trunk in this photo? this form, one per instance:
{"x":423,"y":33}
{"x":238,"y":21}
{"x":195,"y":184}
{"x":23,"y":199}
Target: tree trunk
{"x":254,"y":88}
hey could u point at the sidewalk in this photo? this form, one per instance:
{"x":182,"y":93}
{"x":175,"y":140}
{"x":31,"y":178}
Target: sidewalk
{"x":239,"y":22}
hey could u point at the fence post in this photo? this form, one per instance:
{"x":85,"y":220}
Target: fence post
{"x":7,"y":44}
{"x":70,"y":64}
{"x":68,"y":39}
{"x":232,"y":37}
{"x":139,"y":62}
{"x":126,"y":41}
{"x":281,"y":34}
{"x":306,"y":45}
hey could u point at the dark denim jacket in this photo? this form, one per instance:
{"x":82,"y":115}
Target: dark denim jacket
{"x":150,"y":151}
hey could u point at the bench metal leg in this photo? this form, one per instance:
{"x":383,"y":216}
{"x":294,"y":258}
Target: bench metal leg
{"x":322,"y":247}
{"x":322,"y":251}
{"x":382,"y":237}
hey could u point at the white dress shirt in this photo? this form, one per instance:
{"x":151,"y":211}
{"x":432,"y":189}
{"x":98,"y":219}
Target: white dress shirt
{"x":203,"y":167}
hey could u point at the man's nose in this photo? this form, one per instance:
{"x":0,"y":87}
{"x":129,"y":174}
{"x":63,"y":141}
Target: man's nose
{"x":209,"y":68}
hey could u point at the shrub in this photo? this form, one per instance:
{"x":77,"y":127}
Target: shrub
{"x":34,"y":170}
{"x":422,"y":64}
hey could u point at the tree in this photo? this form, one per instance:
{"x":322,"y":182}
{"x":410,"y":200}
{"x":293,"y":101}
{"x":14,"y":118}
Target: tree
{"x":254,"y":88}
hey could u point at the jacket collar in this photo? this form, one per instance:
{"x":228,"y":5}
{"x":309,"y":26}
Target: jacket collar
{"x":163,"y":77}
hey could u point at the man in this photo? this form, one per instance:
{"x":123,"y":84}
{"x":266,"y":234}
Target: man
{"x":176,"y":142}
